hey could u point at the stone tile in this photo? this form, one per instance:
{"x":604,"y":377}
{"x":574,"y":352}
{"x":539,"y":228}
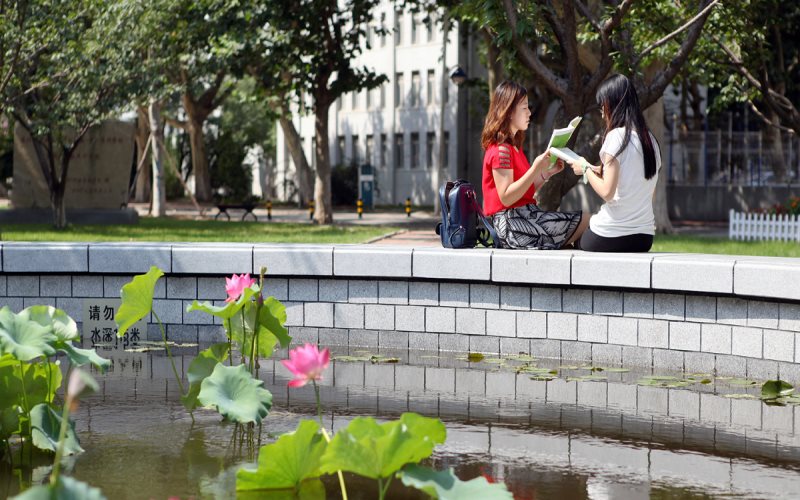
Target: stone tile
{"x":318,"y":314}
{"x":372,"y":261}
{"x":715,"y":338}
{"x":622,"y":331}
{"x":333,"y":290}
{"x":302,"y":335}
{"x":669,"y":306}
{"x":409,"y":318}
{"x":391,"y":339}
{"x":484,"y":296}
{"x":181,"y":288}
{"x":684,"y":336}
{"x":212,"y":258}
{"x":214,"y":289}
{"x":562,"y":326}
{"x":363,"y":338}
{"x":576,"y":351}
{"x":701,"y":309}
{"x":294,"y":313}
{"x":779,"y":345}
{"x":89,"y":286}
{"x":471,"y":321}
{"x":484,"y":344}
{"x":211,"y":334}
{"x":423,"y":293}
{"x":517,"y":298}
{"x":195,"y":317}
{"x":746,"y":412}
{"x":652,"y":401}
{"x":51,"y":258}
{"x":732,"y":311}
{"x":4,"y":288}
{"x":72,"y":306}
{"x":515,"y":346}
{"x":513,"y":266}
{"x":501,"y":323}
{"x":499,"y":384}
{"x":623,"y":270}
{"x":715,"y":409}
{"x":678,"y":272}
{"x":546,"y":348}
{"x":789,"y":317}
{"x":621,"y":396}
{"x":730,"y":366}
{"x":750,"y":275}
{"x":333,"y":337}
{"x":14,"y":303}
{"x":653,"y":333}
{"x":546,"y":299}
{"x":23,"y":286}
{"x":789,"y":372}
{"x":684,"y":404}
{"x":762,"y":314}
{"x":112,"y":285}
{"x":445,"y":263}
{"x":379,"y":375}
{"x":606,"y":354}
{"x":55,"y":285}
{"x":129,"y":257}
{"x":532,"y":324}
{"x":665,"y":359}
{"x":637,"y":356}
{"x":747,"y":341}
{"x":424,"y":341}
{"x":169,"y":311}
{"x":348,"y":315}
{"x":349,"y":374}
{"x":363,"y":292}
{"x":699,"y":362}
{"x":760,"y":369}
{"x":637,"y":305}
{"x":182,"y":333}
{"x":294,"y":260}
{"x":378,"y":317}
{"x":274,"y":287}
{"x":38,"y":301}
{"x":409,"y":378}
{"x":562,"y":392}
{"x":440,"y":319}
{"x":471,"y":382}
{"x":306,"y":290}
{"x":607,"y":302}
{"x":440,"y":379}
{"x":777,"y":419}
{"x":393,"y":292}
{"x":575,"y":300}
{"x":593,"y":328}
{"x":454,"y":342}
{"x":454,"y":294}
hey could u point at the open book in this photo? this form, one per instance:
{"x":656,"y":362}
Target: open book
{"x":559,"y":139}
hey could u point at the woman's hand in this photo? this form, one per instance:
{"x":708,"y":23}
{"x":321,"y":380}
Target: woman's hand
{"x":542,"y":161}
{"x":577,"y":165}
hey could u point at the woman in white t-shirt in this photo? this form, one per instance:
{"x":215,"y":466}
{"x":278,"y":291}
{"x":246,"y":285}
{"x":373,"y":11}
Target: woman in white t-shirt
{"x":626,"y":179}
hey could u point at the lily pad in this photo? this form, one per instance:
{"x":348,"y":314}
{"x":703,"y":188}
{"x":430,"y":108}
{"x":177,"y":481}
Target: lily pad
{"x":45,"y":428}
{"x":61,"y":324}
{"x":22,"y":338}
{"x":739,"y":396}
{"x":286,"y":463}
{"x":66,"y":488}
{"x":137,"y":299}
{"x":444,"y":485}
{"x":80,"y":357}
{"x":350,"y":359}
{"x":617,"y":370}
{"x":235,"y":394}
{"x":773,"y":389}
{"x":201,"y":367}
{"x":475,"y":357}
{"x":542,"y":378}
{"x":377,"y":450}
{"x":229,"y":309}
{"x":383,"y":359}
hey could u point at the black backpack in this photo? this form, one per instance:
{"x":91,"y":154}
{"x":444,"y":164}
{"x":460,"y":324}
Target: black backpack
{"x":460,"y":215}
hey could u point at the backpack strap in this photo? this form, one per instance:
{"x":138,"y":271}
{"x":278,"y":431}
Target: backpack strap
{"x":484,"y":240}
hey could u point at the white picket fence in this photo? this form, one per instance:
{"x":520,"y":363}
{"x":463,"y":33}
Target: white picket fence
{"x":747,"y":226}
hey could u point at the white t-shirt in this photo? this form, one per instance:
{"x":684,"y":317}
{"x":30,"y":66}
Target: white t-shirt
{"x":631,"y":209}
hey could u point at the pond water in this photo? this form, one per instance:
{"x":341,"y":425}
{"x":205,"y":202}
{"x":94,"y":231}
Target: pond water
{"x":576,"y":433}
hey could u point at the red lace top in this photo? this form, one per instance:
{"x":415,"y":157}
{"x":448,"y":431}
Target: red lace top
{"x":503,"y":156}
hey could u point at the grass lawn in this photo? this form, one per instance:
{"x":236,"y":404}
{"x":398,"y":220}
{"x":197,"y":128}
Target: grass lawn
{"x":705,"y":244}
{"x":167,"y":229}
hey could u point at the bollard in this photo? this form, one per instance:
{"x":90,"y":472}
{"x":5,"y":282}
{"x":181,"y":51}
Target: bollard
{"x":311,"y":210}
{"x":269,"y":209}
{"x":360,"y":208}
{"x":408,"y":207}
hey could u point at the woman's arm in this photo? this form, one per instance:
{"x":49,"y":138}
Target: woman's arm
{"x":510,"y":191}
{"x":604,"y":185}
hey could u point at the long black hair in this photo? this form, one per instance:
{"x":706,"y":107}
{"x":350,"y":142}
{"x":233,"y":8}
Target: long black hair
{"x":618,"y":97}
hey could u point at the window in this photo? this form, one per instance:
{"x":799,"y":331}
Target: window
{"x":340,"y":149}
{"x":384,"y":157}
{"x":415,"y":150}
{"x":399,"y":159}
{"x":368,"y":151}
{"x":398,"y":90}
{"x":339,"y":103}
{"x":355,"y":154}
{"x":382,"y":99}
{"x":354,"y":96}
{"x":429,"y":22}
{"x":429,"y":145}
{"x":413,"y":29}
{"x":431,"y":86}
{"x":368,"y":35}
{"x":398,"y":27}
{"x":383,"y":29}
{"x":415,"y":89}
{"x":368,"y":95}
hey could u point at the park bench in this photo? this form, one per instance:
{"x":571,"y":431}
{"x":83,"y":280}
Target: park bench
{"x":247,"y":207}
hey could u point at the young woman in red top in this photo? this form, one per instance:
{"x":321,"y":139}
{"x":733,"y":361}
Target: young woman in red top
{"x":509,"y":183}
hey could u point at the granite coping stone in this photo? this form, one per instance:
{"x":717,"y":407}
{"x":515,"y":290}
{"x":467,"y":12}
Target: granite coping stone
{"x":744,"y":276}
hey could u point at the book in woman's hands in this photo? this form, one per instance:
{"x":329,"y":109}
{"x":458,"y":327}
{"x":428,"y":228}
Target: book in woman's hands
{"x":560,"y":137}
{"x":564,"y":153}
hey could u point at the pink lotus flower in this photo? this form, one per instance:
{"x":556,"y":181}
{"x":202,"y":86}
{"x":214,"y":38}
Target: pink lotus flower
{"x":236,"y":284}
{"x":306,"y":364}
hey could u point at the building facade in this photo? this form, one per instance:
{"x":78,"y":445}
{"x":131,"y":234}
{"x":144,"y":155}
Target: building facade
{"x":396,"y":127}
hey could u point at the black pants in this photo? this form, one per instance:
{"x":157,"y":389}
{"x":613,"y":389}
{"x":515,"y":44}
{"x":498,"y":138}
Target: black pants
{"x":629,"y":243}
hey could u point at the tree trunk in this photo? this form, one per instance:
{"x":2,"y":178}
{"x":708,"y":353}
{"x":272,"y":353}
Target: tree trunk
{"x":323,"y":204}
{"x":57,"y":201}
{"x":775,"y":144}
{"x":654,"y":116}
{"x":143,"y":178}
{"x":549,"y":195}
{"x":159,"y":200}
{"x":494,"y":66}
{"x":305,"y":175}
{"x":196,"y":116}
{"x":440,"y":174}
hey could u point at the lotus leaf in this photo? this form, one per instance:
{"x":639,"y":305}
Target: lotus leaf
{"x":286,"y":463}
{"x":137,"y":299}
{"x":235,"y":394}
{"x":446,"y":486}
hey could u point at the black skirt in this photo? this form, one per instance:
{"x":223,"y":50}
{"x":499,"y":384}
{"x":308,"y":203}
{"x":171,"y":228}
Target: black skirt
{"x":530,"y":227}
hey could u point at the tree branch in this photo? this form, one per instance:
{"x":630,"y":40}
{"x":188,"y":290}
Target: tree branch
{"x":675,"y":33}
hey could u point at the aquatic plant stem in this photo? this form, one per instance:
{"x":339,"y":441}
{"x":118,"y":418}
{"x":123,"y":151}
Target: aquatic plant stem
{"x":230,"y":341}
{"x":169,"y":353}
{"x":24,"y":393}
{"x":62,"y":433}
{"x":338,"y":472}
{"x":319,"y":405}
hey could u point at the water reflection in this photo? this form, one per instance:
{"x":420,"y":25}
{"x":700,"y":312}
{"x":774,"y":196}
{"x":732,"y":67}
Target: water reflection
{"x":546,"y":439}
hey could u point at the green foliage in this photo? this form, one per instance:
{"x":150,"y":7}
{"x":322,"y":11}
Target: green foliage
{"x":773,"y":389}
{"x":137,"y":299}
{"x":201,"y":367}
{"x":66,"y":488}
{"x":344,"y":184}
{"x":45,"y":428}
{"x":271,"y":317}
{"x":288,"y":463}
{"x":235,"y":394}
{"x":446,"y":486}
{"x":22,"y":338}
{"x":378,"y":451}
